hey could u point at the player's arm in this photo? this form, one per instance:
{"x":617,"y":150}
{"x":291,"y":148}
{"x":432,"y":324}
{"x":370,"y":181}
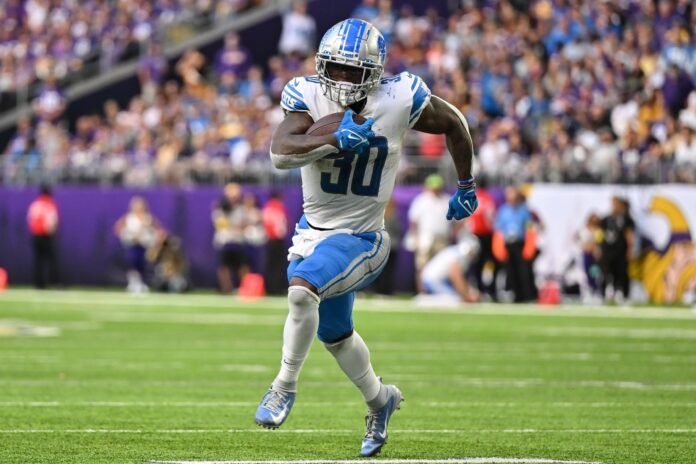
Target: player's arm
{"x":630,"y":239}
{"x":291,"y":147}
{"x":120,"y":224}
{"x":457,"y":279}
{"x":441,"y":117}
{"x":456,"y":276}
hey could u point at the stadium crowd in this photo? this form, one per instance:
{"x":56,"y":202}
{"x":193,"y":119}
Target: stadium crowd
{"x":43,"y":41}
{"x":559,"y":91}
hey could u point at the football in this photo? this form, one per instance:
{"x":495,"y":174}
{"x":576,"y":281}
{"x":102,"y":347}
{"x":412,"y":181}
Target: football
{"x":328,"y":125}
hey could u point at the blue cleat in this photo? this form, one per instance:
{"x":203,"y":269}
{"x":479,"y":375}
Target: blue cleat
{"x":377,"y":422}
{"x":274,"y":408}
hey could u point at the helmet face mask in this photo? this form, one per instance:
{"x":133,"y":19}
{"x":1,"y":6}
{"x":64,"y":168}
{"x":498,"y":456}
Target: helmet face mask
{"x":352,"y":43}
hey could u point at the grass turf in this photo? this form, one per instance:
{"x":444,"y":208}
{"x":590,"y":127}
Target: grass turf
{"x":163,"y":377}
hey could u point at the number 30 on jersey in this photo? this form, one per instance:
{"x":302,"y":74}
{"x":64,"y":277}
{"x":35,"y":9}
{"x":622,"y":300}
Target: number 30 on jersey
{"x":346,"y":164}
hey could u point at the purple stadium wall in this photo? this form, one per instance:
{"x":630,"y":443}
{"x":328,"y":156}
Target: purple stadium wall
{"x":89,"y":253}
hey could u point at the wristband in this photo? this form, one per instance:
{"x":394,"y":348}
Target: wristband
{"x":466,"y":184}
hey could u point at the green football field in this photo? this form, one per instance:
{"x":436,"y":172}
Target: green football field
{"x":107,"y":377}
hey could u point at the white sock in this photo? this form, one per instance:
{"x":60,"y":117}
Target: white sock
{"x":354,"y":358}
{"x":300,"y":327}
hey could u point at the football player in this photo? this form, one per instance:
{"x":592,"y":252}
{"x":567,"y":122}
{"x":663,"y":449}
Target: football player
{"x":340,"y":245}
{"x":445,"y":274}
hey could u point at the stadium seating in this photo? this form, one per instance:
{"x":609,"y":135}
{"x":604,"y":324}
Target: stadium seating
{"x":583,"y":92}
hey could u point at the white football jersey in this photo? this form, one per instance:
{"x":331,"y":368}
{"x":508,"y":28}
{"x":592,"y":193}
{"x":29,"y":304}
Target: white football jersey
{"x":438,"y":268}
{"x":352,"y":192}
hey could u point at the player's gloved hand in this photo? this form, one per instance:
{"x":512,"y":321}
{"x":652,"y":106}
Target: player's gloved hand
{"x":352,"y":136}
{"x":463,"y":203}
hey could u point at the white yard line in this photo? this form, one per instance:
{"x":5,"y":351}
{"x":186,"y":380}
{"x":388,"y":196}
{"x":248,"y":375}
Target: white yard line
{"x":188,"y":318}
{"x":394,"y":461}
{"x":322,"y":404}
{"x":452,"y":381}
{"x":501,"y":352}
{"x":369,"y":305}
{"x":615,"y":332}
{"x":348,"y":431}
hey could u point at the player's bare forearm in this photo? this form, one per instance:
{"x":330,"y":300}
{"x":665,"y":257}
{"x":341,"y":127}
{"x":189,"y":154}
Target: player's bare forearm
{"x":290,"y":138}
{"x":458,"y":281}
{"x":291,"y":147}
{"x":630,"y":237}
{"x":440,"y":117}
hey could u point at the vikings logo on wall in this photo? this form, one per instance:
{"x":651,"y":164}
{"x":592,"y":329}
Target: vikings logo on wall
{"x":670,"y":271}
{"x":664,"y":263}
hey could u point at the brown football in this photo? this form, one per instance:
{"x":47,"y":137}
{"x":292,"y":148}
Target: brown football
{"x":328,"y":125}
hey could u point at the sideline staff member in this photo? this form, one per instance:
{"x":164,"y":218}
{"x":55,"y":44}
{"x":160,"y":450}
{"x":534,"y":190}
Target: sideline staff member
{"x":42,"y":219}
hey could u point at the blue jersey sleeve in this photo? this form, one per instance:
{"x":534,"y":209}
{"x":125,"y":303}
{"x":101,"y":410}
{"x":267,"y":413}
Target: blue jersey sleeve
{"x":420,"y":96}
{"x":292,"y":99}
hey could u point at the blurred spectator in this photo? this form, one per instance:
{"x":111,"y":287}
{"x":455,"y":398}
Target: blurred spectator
{"x":409,"y":29}
{"x":190,"y":67}
{"x":23,"y":160}
{"x":42,"y":219}
{"x":275,"y":223}
{"x":683,"y":144}
{"x":299,"y":30}
{"x":385,"y":20}
{"x":590,"y":238}
{"x":429,"y":230}
{"x":481,"y":224}
{"x":169,"y":264}
{"x":384,"y":284}
{"x":252,"y":218}
{"x":21,"y":139}
{"x":676,"y":88}
{"x":232,"y":59}
{"x":511,"y":223}
{"x":687,"y":116}
{"x":432,"y":145}
{"x":229,"y":222}
{"x":50,"y":103}
{"x":152,"y":68}
{"x":531,"y":250}
{"x":366,"y":10}
{"x":138,"y":231}
{"x":445,"y":274}
{"x":616,"y":250}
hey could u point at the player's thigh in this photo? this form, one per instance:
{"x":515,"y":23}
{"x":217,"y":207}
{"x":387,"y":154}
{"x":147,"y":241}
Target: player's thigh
{"x":343,"y":263}
{"x":335,"y":314}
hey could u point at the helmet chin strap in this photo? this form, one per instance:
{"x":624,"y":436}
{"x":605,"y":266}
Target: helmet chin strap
{"x":343,"y":93}
{"x":343,"y":99}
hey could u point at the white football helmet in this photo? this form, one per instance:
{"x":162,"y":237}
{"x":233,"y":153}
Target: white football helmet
{"x":356,"y":43}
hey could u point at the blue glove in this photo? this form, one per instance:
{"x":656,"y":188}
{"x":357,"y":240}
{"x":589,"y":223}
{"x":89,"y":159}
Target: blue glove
{"x":463,"y":203}
{"x":354,"y":137}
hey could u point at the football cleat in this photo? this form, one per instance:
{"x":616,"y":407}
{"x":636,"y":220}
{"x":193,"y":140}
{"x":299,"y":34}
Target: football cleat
{"x":378,"y":421}
{"x":274,"y":408}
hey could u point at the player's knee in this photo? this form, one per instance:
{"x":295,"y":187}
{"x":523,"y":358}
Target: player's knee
{"x":302,"y":297}
{"x":300,"y":282}
{"x":337,"y":342}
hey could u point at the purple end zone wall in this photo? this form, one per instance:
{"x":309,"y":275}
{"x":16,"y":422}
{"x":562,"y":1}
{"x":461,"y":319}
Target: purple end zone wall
{"x":89,"y":253}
